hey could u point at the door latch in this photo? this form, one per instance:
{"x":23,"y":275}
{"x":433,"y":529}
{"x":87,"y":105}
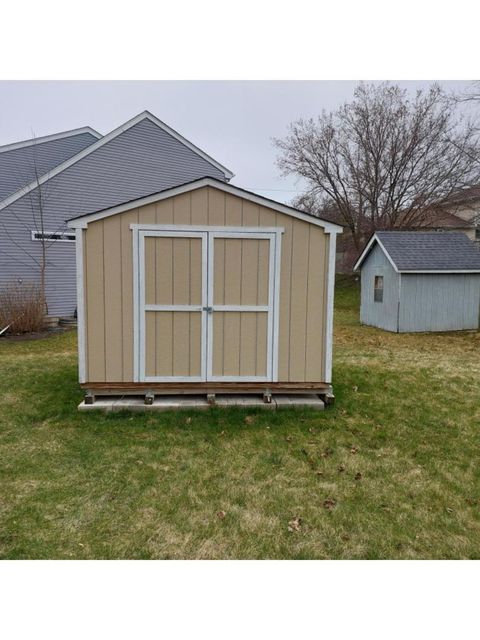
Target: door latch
{"x":208,"y":309}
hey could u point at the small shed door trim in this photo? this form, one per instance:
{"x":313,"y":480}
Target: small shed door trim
{"x":207,"y":308}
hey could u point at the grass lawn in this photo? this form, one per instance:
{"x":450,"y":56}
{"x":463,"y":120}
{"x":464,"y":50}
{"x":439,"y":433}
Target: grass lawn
{"x":392,"y":471}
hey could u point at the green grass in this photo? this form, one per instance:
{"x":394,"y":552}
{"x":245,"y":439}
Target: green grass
{"x":397,"y":457}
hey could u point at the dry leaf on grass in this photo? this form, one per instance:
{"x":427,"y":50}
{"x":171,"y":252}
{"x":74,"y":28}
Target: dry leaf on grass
{"x":221,"y":514}
{"x":358,"y":476}
{"x":249,"y":419}
{"x":329,"y":503}
{"x":341,"y":468}
{"x":354,"y":450}
{"x":188,"y":420}
{"x":295,"y":524}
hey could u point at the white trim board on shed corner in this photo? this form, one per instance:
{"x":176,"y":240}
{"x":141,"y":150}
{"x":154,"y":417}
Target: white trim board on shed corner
{"x":145,"y":115}
{"x":83,"y":221}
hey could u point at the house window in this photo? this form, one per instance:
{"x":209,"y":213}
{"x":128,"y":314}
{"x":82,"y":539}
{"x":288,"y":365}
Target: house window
{"x":378,"y":289}
{"x":57,"y":236}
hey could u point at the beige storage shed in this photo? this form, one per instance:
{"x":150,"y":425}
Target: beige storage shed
{"x":204,"y":288}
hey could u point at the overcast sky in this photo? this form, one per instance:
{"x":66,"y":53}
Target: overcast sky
{"x":232,"y":121}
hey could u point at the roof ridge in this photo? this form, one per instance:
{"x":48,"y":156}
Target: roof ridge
{"x":69,"y":133}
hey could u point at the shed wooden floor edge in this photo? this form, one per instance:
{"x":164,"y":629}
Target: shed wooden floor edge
{"x":149,"y":390}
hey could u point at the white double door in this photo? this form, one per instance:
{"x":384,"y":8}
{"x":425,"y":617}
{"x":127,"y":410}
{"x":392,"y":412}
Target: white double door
{"x":207,"y":304}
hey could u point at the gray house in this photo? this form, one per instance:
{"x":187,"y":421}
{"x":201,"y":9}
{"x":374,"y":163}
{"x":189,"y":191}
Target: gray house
{"x":420,"y":281}
{"x":77,"y":172}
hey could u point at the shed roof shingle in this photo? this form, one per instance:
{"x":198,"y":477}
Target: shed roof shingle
{"x":430,"y":251}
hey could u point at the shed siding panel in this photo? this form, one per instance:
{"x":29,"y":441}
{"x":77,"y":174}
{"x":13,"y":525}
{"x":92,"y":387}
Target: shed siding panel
{"x":95,"y":296}
{"x":303,"y":283}
{"x":439,"y":302}
{"x":113,"y":298}
{"x":379,"y":314}
{"x":126,"y":295}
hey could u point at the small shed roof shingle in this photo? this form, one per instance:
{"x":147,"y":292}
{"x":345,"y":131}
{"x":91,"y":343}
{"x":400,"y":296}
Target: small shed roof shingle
{"x":427,"y":251}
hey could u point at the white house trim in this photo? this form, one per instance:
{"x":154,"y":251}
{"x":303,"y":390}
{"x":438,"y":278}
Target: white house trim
{"x":50,"y":138}
{"x":145,"y":115}
{"x":80,"y":307}
{"x":83,"y":221}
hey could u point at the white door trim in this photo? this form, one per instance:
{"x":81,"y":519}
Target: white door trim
{"x":208,"y":234}
{"x":274,"y":238}
{"x":139,"y":279}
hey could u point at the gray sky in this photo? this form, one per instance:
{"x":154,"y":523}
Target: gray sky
{"x":232,"y":121}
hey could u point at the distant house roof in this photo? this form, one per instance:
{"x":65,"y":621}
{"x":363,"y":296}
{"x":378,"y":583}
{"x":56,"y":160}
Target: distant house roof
{"x":464,"y":195}
{"x":20,"y":161}
{"x":424,"y":252}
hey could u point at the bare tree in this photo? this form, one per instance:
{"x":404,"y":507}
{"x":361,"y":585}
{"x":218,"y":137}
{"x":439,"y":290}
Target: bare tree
{"x":37,"y":200}
{"x":383,"y":160}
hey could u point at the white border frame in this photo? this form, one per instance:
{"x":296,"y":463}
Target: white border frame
{"x":208,"y":234}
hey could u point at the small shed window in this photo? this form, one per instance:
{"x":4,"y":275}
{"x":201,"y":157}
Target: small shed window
{"x":378,"y":289}
{"x":477,"y":233}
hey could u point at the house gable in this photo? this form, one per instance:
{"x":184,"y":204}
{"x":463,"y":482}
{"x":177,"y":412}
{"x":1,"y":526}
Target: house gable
{"x":178,"y":153}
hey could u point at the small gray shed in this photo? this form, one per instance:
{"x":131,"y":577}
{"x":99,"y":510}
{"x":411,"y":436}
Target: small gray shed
{"x":420,"y":281}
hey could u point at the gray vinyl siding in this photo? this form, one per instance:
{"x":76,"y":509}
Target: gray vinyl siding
{"x":142,"y":160}
{"x":379,"y":314}
{"x":439,"y":302}
{"x":17,"y":167}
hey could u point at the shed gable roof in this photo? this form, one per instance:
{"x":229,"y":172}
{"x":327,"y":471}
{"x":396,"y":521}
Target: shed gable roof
{"x":144,"y":118}
{"x":83,"y":220}
{"x":417,"y":251}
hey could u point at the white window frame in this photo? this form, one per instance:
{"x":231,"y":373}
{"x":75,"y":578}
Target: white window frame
{"x":55,"y":233}
{"x":208,"y":236}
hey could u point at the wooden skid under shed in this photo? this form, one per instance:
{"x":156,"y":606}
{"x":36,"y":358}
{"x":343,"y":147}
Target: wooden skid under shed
{"x":199,"y":388}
